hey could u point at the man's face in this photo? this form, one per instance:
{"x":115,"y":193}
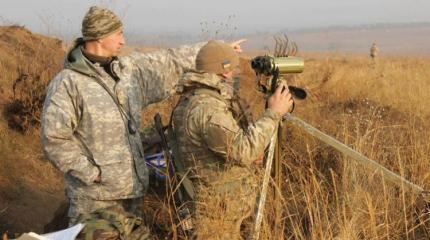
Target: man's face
{"x":113,"y":43}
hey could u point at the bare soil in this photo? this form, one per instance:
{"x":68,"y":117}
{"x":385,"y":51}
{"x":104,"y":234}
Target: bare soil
{"x":31,"y":190}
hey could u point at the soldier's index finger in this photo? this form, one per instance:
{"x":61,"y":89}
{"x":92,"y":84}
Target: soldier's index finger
{"x":238,"y":42}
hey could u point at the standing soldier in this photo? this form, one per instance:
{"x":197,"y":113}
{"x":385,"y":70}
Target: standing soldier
{"x":374,"y":51}
{"x":91,"y":115}
{"x":216,"y":143}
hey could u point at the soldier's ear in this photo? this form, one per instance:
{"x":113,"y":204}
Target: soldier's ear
{"x":228,"y":74}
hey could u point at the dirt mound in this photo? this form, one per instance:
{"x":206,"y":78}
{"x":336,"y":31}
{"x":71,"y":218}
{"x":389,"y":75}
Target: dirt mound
{"x":30,"y":188}
{"x":22,"y":50}
{"x":28,"y":62}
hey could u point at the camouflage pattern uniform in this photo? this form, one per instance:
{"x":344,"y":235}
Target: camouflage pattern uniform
{"x":85,"y":133}
{"x":112,"y":223}
{"x":218,"y":152}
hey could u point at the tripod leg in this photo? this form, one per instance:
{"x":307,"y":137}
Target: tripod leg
{"x":278,"y":184}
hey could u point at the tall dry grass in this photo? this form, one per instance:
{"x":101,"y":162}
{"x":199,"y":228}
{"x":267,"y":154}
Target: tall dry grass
{"x":379,"y":109}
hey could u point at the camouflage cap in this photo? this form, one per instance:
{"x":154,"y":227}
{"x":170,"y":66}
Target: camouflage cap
{"x":216,"y":57}
{"x":99,"y":23}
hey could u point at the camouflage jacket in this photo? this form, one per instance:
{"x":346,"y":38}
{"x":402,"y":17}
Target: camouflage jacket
{"x":85,"y":133}
{"x":208,"y":135}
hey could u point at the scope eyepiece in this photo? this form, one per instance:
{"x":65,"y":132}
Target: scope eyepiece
{"x":268,"y":65}
{"x":262,"y":65}
{"x":273,"y":66}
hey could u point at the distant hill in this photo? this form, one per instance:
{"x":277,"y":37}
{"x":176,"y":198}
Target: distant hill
{"x":393,"y":39}
{"x":398,"y":39}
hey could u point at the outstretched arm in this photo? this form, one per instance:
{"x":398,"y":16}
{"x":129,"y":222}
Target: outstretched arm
{"x":158,"y":72}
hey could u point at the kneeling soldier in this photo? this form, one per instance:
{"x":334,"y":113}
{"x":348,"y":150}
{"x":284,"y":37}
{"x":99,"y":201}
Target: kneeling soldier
{"x":216,"y":144}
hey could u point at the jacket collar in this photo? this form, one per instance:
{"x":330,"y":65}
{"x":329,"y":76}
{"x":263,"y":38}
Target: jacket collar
{"x":197,"y":79}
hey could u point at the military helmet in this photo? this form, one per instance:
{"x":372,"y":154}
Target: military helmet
{"x":216,"y":57}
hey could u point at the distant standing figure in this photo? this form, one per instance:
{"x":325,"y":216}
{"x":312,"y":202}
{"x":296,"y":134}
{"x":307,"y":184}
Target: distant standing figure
{"x":374,"y":51}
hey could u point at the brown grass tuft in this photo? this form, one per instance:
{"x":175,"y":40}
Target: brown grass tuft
{"x":28,"y":62}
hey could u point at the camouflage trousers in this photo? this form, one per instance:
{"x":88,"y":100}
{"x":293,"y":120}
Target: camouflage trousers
{"x":224,"y":203}
{"x":80,"y":206}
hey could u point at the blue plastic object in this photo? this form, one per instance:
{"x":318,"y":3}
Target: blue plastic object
{"x":158,"y":164}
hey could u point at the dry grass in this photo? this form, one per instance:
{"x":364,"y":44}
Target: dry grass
{"x":28,"y":62}
{"x":380,"y":109}
{"x":27,"y":181}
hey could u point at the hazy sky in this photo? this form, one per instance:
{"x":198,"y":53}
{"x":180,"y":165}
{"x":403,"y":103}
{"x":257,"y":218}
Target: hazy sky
{"x":63,"y":17}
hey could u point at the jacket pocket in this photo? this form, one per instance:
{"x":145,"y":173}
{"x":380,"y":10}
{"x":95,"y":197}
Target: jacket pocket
{"x":116,"y":174}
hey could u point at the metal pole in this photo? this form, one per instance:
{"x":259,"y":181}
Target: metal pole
{"x":263,"y":195}
{"x":360,"y":158}
{"x":278,"y":184}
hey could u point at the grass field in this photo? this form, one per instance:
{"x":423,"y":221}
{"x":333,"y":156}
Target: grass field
{"x":378,"y":108}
